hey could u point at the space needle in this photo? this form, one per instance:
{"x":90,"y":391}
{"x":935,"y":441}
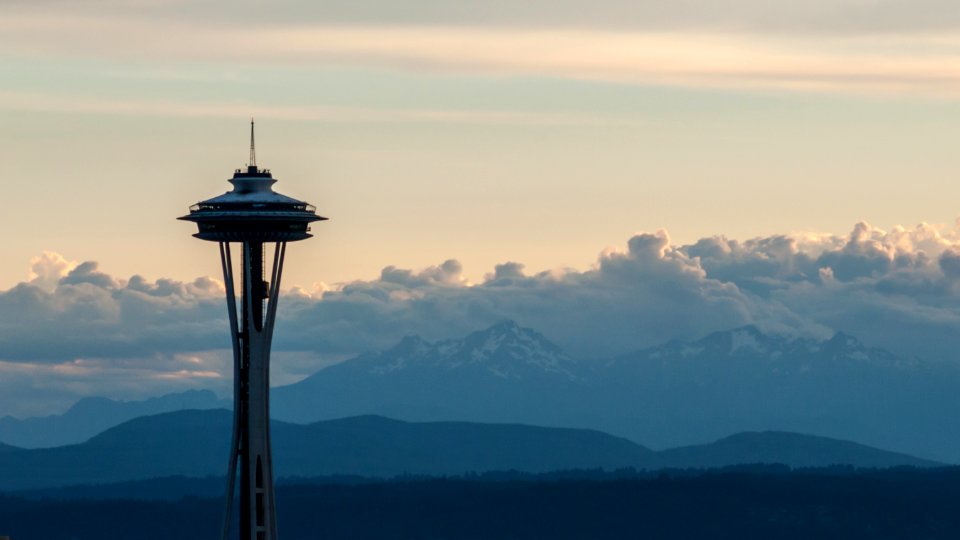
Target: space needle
{"x":252,"y":215}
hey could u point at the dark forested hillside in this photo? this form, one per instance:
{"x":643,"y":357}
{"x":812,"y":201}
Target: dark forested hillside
{"x":154,"y":447}
{"x":875,"y":505}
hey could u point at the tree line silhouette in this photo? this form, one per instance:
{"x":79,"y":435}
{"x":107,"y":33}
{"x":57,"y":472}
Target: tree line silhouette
{"x":744,"y":502}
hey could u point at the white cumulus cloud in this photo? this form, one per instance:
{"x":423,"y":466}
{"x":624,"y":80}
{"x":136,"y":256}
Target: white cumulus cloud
{"x":897,"y":288}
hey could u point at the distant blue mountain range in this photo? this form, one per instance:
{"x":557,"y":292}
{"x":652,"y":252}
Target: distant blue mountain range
{"x":194,"y":444}
{"x":679,"y":393}
{"x":92,"y":415}
{"x":675,"y":394}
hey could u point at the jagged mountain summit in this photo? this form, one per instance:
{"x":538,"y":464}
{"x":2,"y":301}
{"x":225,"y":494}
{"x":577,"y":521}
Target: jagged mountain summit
{"x":783,"y":355}
{"x":504,"y":372}
{"x":504,"y":351}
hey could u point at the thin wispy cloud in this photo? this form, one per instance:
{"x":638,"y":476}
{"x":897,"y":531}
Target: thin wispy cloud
{"x":822,"y":17}
{"x":888,"y":63}
{"x":26,"y":101}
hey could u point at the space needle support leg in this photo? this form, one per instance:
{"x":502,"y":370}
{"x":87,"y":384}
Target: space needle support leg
{"x":227,"y":264}
{"x":278,"y":255}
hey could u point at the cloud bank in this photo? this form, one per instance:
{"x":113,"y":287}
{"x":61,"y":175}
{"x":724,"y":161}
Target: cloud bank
{"x":898,"y":289}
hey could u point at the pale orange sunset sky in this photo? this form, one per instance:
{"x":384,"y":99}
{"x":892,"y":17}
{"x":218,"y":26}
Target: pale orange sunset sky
{"x":593,"y":142}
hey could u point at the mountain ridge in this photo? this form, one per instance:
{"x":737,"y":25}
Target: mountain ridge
{"x":91,"y":415}
{"x":375,"y":446}
{"x":670,"y":395}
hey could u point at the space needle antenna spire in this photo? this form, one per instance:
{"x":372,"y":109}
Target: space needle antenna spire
{"x":253,"y":147}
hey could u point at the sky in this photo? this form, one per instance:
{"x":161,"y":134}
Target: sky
{"x":674,"y":167}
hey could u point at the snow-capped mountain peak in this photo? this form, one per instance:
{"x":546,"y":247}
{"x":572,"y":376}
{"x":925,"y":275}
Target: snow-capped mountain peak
{"x":783,"y":355}
{"x":504,"y":350}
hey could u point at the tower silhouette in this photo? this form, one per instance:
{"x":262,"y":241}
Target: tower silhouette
{"x":252,"y":214}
